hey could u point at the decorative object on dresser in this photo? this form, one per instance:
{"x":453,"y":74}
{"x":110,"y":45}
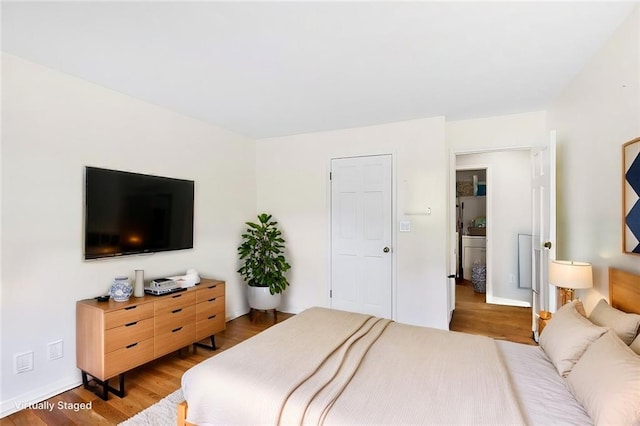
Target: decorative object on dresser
{"x":569,"y":276}
{"x":190,"y":279}
{"x":263,"y":263}
{"x":138,"y":288}
{"x":121,"y":289}
{"x":114,"y":337}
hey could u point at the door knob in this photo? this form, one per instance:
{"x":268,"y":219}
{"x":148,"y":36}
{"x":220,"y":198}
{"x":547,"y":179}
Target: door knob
{"x":546,"y":244}
{"x":386,"y":249}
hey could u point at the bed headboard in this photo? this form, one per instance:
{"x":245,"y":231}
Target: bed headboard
{"x":624,"y":290}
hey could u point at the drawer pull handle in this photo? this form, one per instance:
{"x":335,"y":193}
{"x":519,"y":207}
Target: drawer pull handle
{"x":132,"y":345}
{"x":211,"y":317}
{"x":131,"y":323}
{"x":128,"y":308}
{"x":213,"y":286}
{"x":176,"y":329}
{"x":211,"y":300}
{"x":176,"y":311}
{"x":176,"y":296}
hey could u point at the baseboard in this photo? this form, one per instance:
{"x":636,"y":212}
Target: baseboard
{"x":35,"y":396}
{"x":508,"y":302}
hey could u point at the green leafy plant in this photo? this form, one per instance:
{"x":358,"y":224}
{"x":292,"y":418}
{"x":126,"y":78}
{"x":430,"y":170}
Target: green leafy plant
{"x":262,"y":255}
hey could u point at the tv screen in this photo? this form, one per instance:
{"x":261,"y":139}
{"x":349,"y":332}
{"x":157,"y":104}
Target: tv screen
{"x":130,"y":213}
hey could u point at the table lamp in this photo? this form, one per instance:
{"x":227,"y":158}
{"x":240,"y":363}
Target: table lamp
{"x":569,"y":276}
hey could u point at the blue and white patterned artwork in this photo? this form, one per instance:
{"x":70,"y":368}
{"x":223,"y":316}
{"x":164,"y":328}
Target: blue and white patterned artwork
{"x":631,"y":235}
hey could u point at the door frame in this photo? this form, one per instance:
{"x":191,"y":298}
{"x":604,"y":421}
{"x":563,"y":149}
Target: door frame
{"x":394,"y":241}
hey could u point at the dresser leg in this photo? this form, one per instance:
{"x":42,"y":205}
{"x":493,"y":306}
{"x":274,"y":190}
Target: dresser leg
{"x":213,"y":344}
{"x":103,"y":391}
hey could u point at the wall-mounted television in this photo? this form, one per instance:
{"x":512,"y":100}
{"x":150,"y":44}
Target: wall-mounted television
{"x":130,"y":213}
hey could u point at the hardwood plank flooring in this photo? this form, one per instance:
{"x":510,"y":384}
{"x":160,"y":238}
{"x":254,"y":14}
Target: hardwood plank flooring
{"x":473,"y":315}
{"x":151,"y":382}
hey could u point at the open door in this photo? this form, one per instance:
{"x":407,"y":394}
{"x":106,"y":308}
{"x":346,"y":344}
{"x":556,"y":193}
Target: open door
{"x":543,"y":182}
{"x":454,"y":239}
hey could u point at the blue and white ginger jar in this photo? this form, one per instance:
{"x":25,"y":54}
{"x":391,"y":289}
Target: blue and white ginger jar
{"x":121,"y":289}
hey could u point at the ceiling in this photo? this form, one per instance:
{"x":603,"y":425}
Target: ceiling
{"x":266,"y":69}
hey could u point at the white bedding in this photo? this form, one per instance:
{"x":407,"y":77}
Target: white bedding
{"x":321,"y":366}
{"x":544,"y":396}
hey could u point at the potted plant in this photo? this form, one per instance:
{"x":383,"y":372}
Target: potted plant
{"x":263,"y":263}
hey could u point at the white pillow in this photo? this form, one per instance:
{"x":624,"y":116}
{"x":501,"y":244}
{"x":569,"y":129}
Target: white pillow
{"x":606,"y":381}
{"x":566,"y":337}
{"x":625,"y":325}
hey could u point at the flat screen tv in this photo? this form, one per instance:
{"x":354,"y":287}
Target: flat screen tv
{"x":131,"y":213}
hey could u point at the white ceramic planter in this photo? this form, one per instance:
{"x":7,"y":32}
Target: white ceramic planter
{"x":261,"y":299}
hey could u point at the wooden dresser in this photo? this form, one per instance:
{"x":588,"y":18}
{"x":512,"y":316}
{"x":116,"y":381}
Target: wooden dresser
{"x":114,"y":337}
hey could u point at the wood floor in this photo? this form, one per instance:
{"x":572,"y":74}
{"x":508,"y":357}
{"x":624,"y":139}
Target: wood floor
{"x":473,"y":315}
{"x":150,"y":383}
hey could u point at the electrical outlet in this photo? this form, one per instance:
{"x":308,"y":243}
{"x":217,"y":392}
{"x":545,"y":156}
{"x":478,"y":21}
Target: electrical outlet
{"x":55,"y":350}
{"x":23,"y":362}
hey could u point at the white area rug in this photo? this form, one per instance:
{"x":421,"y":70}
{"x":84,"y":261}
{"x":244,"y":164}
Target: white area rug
{"x":164,"y":412}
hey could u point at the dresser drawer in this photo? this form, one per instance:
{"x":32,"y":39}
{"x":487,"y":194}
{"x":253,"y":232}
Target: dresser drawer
{"x":174,"y":339}
{"x":128,"y":315}
{"x":173,"y":302}
{"x":120,"y":337}
{"x":210,"y":291}
{"x":177,"y":318}
{"x":210,"y":325}
{"x":129,"y":357}
{"x":214,"y":305}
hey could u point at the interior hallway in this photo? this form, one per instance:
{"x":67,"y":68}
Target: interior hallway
{"x":473,"y":315}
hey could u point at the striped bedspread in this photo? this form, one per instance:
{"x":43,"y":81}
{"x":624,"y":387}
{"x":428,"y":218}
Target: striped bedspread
{"x":332,"y":367}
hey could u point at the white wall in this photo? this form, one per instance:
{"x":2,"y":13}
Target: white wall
{"x":509,"y":194}
{"x":293,"y":185}
{"x":596,"y":113}
{"x":53,"y":125}
{"x":494,"y":133}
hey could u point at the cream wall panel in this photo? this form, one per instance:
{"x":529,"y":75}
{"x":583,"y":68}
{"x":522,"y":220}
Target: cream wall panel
{"x":54,"y":124}
{"x":595,"y":114}
{"x":293,"y":185}
{"x":500,"y":132}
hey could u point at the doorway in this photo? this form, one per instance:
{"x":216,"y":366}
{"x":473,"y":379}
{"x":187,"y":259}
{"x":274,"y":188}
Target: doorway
{"x":508,"y":214}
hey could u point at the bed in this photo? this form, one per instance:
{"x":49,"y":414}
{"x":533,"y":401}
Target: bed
{"x":332,"y":367}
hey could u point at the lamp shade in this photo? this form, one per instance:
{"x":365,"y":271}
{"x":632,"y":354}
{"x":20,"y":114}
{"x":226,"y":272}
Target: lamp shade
{"x":569,"y":274}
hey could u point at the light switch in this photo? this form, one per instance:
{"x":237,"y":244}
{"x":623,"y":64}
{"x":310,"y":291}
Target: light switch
{"x":405,"y":226}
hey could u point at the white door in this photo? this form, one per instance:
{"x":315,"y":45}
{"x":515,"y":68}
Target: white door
{"x":544,"y":228}
{"x":361,"y":235}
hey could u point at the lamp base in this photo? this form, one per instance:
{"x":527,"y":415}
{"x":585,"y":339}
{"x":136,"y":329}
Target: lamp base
{"x":566,"y":295}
